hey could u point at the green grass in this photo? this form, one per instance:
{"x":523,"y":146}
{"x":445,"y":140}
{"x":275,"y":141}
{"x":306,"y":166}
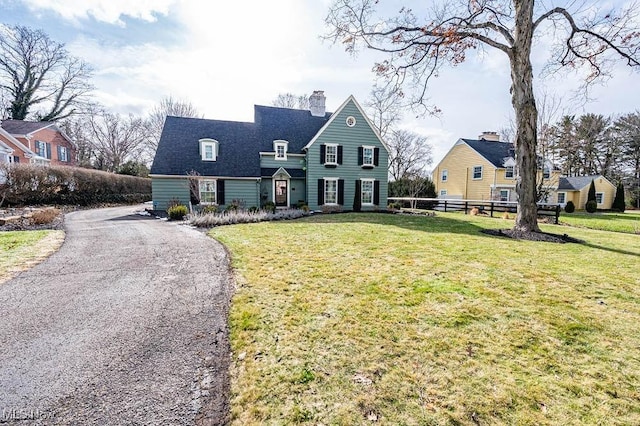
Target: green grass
{"x":405,"y":320}
{"x":20,"y":250}
{"x":628,"y":222}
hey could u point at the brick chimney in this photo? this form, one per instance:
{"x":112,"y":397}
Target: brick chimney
{"x":490,"y":136}
{"x":317,"y":103}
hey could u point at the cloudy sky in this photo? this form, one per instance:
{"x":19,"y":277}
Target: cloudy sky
{"x":224,"y":57}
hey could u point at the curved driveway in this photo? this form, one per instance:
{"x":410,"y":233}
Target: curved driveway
{"x":125,"y":324}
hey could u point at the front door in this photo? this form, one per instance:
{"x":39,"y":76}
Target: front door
{"x":281,"y":193}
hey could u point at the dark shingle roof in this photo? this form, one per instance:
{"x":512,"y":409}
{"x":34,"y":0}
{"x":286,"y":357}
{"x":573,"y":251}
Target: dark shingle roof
{"x":19,"y":127}
{"x":495,"y":152}
{"x":575,"y":183}
{"x":295,"y":126}
{"x":240,"y":143}
{"x":179,"y":148}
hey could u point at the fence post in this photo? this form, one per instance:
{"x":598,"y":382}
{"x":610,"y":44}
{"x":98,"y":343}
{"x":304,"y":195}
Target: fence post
{"x":492,"y":209}
{"x":445,"y":206}
{"x":466,"y":207}
{"x":557,"y":214}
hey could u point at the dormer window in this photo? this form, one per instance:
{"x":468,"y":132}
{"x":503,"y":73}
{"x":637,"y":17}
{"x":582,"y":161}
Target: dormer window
{"x":209,"y":149}
{"x":280,"y":148}
{"x":508,"y":173}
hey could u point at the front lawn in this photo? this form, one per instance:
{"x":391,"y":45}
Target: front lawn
{"x":388,"y":319}
{"x":628,"y":222}
{"x":20,"y":250}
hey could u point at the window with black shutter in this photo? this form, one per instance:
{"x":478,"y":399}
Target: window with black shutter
{"x":220,"y":192}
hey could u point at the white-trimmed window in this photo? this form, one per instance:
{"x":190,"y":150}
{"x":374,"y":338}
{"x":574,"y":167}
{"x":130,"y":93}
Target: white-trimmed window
{"x":207,"y":191}
{"x":43,"y":149}
{"x":508,"y":172}
{"x":331,"y":191}
{"x":331,"y":154}
{"x":209,"y":149}
{"x":444,"y":175}
{"x":562,"y":197}
{"x":366,"y":191}
{"x":477,"y":172}
{"x":63,"y":154}
{"x":504,"y":195}
{"x":367,"y":155}
{"x":443,"y":193}
{"x":280,"y":148}
{"x":599,"y":197}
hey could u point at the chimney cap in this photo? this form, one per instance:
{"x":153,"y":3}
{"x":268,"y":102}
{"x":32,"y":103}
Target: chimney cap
{"x":489,"y":136}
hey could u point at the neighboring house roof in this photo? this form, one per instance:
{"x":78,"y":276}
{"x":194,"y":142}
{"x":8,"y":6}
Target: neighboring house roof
{"x":27,"y":128}
{"x":576,"y":183}
{"x":16,"y":142}
{"x":494,"y":152}
{"x":20,"y":127}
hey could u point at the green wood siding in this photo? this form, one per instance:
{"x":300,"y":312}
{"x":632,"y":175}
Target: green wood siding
{"x":298,"y":192}
{"x":350,"y":138}
{"x":167,"y":189}
{"x":244,"y":190}
{"x":290,"y":163}
{"x":266,"y":191}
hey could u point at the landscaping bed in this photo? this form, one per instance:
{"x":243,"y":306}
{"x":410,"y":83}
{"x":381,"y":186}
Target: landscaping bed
{"x":31,"y":219}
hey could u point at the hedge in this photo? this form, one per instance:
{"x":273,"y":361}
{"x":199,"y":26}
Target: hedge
{"x":26,"y":184}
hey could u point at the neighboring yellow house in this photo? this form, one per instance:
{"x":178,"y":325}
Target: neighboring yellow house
{"x":484,"y":169}
{"x":576,"y":189}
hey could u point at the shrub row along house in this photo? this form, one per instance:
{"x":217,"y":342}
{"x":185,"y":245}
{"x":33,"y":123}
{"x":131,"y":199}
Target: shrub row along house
{"x":285,"y":156}
{"x":35,"y":142}
{"x":484,"y":169}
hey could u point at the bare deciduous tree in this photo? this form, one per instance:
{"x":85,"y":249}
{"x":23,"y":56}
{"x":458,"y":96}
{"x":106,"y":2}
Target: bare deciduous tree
{"x":116,"y":139}
{"x":37,"y":71}
{"x":76,"y":128}
{"x":167,"y":106}
{"x":418,"y":44}
{"x":385,"y":106}
{"x":289,"y":100}
{"x":410,"y":154}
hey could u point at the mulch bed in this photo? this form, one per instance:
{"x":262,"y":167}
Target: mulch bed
{"x":532,"y":236}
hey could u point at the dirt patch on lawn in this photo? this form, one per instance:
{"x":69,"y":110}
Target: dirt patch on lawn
{"x":532,"y":236}
{"x":32,"y":255}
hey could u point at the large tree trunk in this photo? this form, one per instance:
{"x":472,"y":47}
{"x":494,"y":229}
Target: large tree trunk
{"x":524,"y":105}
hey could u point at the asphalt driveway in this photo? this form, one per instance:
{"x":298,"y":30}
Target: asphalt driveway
{"x":125,"y":324}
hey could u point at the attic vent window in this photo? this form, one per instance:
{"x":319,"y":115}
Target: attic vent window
{"x":209,"y":149}
{"x":351,"y":121}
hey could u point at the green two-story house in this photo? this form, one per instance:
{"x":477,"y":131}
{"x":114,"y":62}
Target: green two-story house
{"x":287,"y":156}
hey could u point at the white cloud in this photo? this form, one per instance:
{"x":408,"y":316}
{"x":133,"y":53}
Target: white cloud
{"x":110,"y":11}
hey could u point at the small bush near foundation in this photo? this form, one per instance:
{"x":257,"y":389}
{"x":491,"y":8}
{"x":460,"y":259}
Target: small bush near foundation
{"x":270,"y":206}
{"x":209,"y":209}
{"x":177,"y":212}
{"x":570,"y":207}
{"x":591,"y":206}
